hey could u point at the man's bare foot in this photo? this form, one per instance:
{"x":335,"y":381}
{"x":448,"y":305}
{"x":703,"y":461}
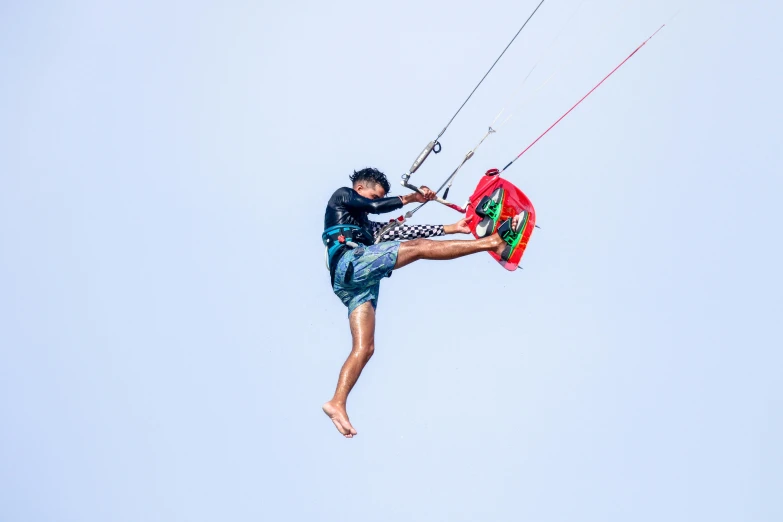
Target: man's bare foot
{"x":339,"y":416}
{"x":500,"y":244}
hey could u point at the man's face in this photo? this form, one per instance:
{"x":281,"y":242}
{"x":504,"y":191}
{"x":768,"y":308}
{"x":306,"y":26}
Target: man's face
{"x":370,"y":190}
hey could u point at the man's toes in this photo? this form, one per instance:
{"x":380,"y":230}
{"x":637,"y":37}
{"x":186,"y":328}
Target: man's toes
{"x":339,"y":426}
{"x":348,"y":427}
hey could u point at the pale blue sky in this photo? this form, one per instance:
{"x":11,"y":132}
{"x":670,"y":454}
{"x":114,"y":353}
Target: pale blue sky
{"x":167,"y":331}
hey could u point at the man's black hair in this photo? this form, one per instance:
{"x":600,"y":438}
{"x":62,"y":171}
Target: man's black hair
{"x":373,"y":176}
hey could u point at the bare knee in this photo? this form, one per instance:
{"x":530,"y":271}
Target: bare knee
{"x":416,"y":247}
{"x":364,"y":352}
{"x":418,"y":244}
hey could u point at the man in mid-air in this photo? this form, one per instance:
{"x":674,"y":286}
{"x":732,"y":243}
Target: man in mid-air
{"x":360,"y":254}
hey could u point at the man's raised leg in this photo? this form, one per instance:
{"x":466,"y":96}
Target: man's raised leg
{"x":416,"y":249}
{"x":362,"y":321}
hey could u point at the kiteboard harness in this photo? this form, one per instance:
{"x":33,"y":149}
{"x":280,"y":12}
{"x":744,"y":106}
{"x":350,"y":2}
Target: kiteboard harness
{"x":346,"y":224}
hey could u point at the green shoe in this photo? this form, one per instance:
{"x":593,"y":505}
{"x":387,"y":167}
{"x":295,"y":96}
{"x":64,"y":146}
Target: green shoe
{"x":512,"y":236}
{"x":489,"y":209}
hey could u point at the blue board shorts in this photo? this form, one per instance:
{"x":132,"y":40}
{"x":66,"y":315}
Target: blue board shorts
{"x":370,"y":265}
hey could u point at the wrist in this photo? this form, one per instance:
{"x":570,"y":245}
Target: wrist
{"x":449,"y":229}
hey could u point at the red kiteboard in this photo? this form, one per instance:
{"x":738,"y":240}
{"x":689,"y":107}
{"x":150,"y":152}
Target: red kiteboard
{"x":513,"y":201}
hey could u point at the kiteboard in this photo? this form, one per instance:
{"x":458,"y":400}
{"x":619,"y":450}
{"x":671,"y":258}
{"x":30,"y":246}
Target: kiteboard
{"x":493,"y":202}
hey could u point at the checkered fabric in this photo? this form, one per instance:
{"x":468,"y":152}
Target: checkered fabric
{"x":404,"y":232}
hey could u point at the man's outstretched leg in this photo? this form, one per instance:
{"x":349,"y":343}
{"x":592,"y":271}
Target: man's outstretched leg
{"x":411,"y":251}
{"x":362,"y":321}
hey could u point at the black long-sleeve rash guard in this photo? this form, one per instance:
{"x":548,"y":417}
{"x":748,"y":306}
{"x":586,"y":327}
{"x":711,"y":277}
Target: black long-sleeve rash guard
{"x":348,"y":207}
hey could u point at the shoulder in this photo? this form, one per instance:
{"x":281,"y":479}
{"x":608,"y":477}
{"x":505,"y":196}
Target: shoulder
{"x":342,"y":194}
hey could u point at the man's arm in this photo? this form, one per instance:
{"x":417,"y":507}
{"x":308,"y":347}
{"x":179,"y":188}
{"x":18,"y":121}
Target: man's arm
{"x":355,"y":201}
{"x":405,"y":232}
